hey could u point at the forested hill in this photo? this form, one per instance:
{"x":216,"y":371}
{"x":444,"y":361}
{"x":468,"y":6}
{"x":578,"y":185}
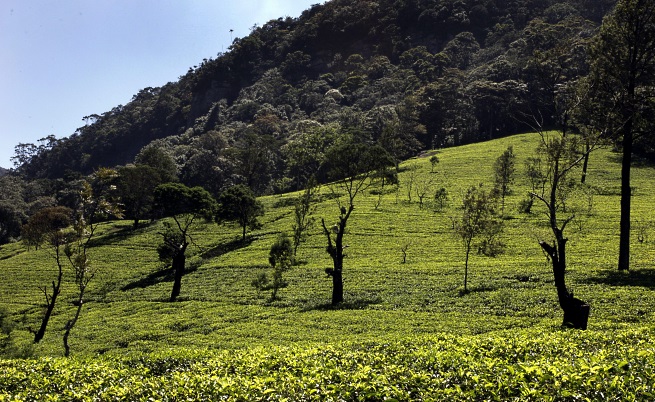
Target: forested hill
{"x":409,"y":74}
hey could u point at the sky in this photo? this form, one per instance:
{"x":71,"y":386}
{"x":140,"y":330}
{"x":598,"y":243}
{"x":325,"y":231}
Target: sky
{"x":61,"y":60}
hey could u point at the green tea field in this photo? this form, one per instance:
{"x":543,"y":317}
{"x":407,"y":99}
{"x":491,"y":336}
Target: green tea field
{"x":405,"y":331}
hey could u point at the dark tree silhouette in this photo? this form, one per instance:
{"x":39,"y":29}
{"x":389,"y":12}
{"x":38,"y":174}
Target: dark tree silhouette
{"x":352,"y":165}
{"x":48,"y":226}
{"x":622,"y":77}
{"x":185,"y":206}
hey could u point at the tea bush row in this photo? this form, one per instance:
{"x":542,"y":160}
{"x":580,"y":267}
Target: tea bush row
{"x":517,"y":365}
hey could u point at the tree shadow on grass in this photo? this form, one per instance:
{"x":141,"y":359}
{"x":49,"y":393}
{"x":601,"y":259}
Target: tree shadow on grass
{"x":637,"y":161}
{"x":223,"y":249}
{"x":164,"y":275}
{"x":353,"y":303}
{"x":642,"y":277}
{"x":119,"y":233}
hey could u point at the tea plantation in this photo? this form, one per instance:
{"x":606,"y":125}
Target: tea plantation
{"x":405,"y":331}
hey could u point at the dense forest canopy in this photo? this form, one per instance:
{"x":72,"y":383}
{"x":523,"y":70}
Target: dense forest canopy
{"x":408,"y":75}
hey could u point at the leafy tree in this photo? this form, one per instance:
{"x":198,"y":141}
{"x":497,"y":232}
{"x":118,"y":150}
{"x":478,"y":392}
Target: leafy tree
{"x":461,"y":50}
{"x":48,"y":226}
{"x":185,"y":206}
{"x":97,"y":201}
{"x":351,"y":165}
{"x":396,"y":129}
{"x":441,"y":198}
{"x":478,"y":219}
{"x":13,"y":208}
{"x":622,"y":78}
{"x":158,"y":158}
{"x":534,"y":173}
{"x":497,"y":102}
{"x":434,"y":161}
{"x":238,"y":203}
{"x":303,"y":214}
{"x":281,"y":258}
{"x":305,"y":150}
{"x":447,"y":111}
{"x":504,"y":170}
{"x":256,"y":155}
{"x":136,"y":185}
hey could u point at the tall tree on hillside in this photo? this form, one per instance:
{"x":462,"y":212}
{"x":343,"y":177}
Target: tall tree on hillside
{"x":557,"y":70}
{"x":238,"y":203}
{"x":185,"y":206}
{"x":255,"y":155}
{"x":562,"y":155}
{"x":303,"y":214}
{"x":136,"y":185}
{"x":305,"y":151}
{"x":478,"y":218}
{"x":97,"y":202}
{"x":351,"y":165}
{"x":504,"y":169}
{"x":622,"y":78}
{"x":159,"y":159}
{"x":13,"y":208}
{"x":48,"y":226}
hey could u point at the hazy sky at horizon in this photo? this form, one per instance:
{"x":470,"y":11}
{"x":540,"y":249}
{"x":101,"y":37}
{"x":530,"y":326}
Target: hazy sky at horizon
{"x":62,"y":60}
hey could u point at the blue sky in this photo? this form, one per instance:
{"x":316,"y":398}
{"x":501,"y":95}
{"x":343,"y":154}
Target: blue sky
{"x":61,"y":60}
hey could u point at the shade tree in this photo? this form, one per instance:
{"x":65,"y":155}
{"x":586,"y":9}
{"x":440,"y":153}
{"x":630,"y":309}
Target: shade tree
{"x":136,"y":185}
{"x":304,"y":209}
{"x":478,"y":219}
{"x":239,"y":204}
{"x":562,"y":156}
{"x":97,"y":202}
{"x":184,"y":206}
{"x":280,"y":257}
{"x":48,"y":226}
{"x":504,"y":170}
{"x":622,"y":101}
{"x":351,"y":165}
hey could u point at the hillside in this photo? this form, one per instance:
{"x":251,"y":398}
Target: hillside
{"x":399,"y":320}
{"x":384,"y":298}
{"x":433,"y":67}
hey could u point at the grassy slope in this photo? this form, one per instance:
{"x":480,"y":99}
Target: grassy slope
{"x":385,"y":299}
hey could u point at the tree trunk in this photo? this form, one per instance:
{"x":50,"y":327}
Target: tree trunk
{"x":51,"y":306}
{"x":179,"y":262}
{"x":337,"y":273}
{"x":626,"y":193}
{"x":585,"y":164}
{"x":466,"y":266}
{"x":70,"y":324}
{"x":337,"y":287}
{"x":576,"y":312}
{"x":336,"y":253}
{"x":56,"y":289}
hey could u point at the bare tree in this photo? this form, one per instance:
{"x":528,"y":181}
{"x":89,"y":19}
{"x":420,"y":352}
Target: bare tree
{"x":423,"y":188}
{"x":562,"y":154}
